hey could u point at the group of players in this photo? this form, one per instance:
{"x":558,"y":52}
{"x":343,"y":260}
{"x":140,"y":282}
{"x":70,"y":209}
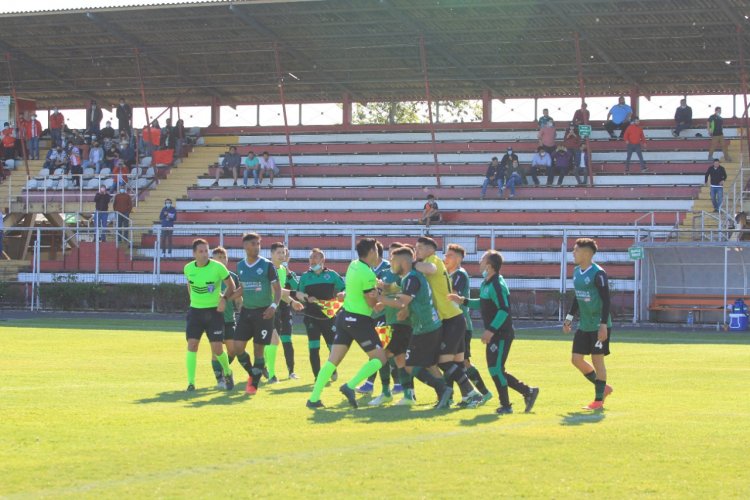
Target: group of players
{"x":419,"y":303}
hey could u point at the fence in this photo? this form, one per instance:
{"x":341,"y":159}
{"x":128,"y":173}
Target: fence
{"x":67,"y":267}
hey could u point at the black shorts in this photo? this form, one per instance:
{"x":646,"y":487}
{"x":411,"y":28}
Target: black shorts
{"x":349,"y":327}
{"x":400,"y":336}
{"x":467,"y":343}
{"x":454,"y":331}
{"x":208,"y":321}
{"x":252,"y":326}
{"x":282,"y":321}
{"x":587,"y":343}
{"x":228,"y":331}
{"x":424,"y":349}
{"x":317,"y":328}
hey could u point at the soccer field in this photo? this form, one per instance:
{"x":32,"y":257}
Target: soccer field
{"x":88,"y":410}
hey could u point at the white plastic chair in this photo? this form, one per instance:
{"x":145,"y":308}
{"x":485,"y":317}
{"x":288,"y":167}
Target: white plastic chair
{"x":92,"y":184}
{"x":31,"y":184}
{"x":88,"y":173}
{"x":108,"y":183}
{"x":47,"y":183}
{"x":146,"y":161}
{"x":150,"y":173}
{"x":105,"y":172}
{"x":42,"y":174}
{"x":58,"y":173}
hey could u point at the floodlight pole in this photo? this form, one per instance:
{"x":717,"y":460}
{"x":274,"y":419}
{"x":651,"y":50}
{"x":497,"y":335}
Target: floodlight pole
{"x":423,"y":57}
{"x":743,"y":78}
{"x":280,"y":82}
{"x":143,"y":95}
{"x":15,"y":100}
{"x":582,"y":92}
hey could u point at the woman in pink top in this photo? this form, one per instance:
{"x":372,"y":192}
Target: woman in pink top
{"x":546,"y":136}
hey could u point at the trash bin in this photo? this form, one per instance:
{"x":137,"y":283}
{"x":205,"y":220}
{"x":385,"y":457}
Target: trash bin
{"x":737,"y":322}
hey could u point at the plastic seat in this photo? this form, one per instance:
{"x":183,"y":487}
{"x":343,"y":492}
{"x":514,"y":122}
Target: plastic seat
{"x":31,"y":184}
{"x":145,"y":161}
{"x":150,"y":173}
{"x":43,"y":173}
{"x":92,"y":184}
{"x":88,"y":173}
{"x":47,"y":183}
{"x":58,"y":173}
{"x":108,"y":183}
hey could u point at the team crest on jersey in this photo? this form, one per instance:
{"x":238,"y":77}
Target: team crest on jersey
{"x":587,"y":280}
{"x":326,"y":277}
{"x":259,"y":271}
{"x":211,"y":287}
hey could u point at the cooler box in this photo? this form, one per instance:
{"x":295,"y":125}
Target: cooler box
{"x":737,"y":322}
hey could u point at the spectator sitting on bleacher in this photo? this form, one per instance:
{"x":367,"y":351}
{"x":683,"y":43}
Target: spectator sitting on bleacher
{"x":715,"y":126}
{"x":493,"y":176}
{"x":507,"y":160}
{"x":582,"y":165}
{"x":267,"y":166}
{"x":582,"y":115}
{"x":741,"y":231}
{"x":572,"y":141}
{"x":716,"y":175}
{"x":515,"y":178}
{"x":618,"y":118}
{"x":544,"y":119}
{"x":107,"y":133}
{"x":57,"y":159}
{"x":683,"y":118}
{"x":96,"y":157}
{"x":540,"y":160}
{"x":635,"y":141}
{"x":562,"y":161}
{"x":431,"y":212}
{"x":547,"y":136}
{"x":230,"y":164}
{"x":75,"y":166}
{"x":111,"y":156}
{"x":127,"y":153}
{"x":252,"y":164}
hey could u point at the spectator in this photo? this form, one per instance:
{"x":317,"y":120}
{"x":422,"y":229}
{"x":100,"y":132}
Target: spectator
{"x":683,"y":118}
{"x":268,"y":166}
{"x":127,"y":153}
{"x":101,"y":201}
{"x":507,"y":160}
{"x":562,"y":162}
{"x":120,"y":174}
{"x":58,"y":159}
{"x":230,"y":164}
{"x":515,"y":178}
{"x":572,"y":142}
{"x":547,"y":135}
{"x":582,"y":115}
{"x":33,"y":132}
{"x":179,"y":137}
{"x":49,"y":160}
{"x":544,"y":119}
{"x":2,"y":253}
{"x":111,"y":156}
{"x":56,"y":126}
{"x":167,"y":135}
{"x":618,"y":118}
{"x":75,"y":166}
{"x":93,"y":118}
{"x":124,"y":116}
{"x":582,"y":165}
{"x":540,"y":160}
{"x":96,"y":157}
{"x":252,"y":164}
{"x":741,"y":232}
{"x":107,"y":133}
{"x":717,"y":175}
{"x":430,"y":213}
{"x":715,"y":126}
{"x":123,"y":206}
{"x":635,"y":141}
{"x":492,"y":176}
{"x":9,"y":142}
{"x":167,"y":217}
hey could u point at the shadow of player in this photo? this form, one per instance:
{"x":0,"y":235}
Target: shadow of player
{"x":175,"y":396}
{"x":582,"y":417}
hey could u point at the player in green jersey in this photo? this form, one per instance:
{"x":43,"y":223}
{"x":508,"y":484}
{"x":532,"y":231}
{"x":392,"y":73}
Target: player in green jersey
{"x":315,"y":285}
{"x":354,"y":323}
{"x":595,"y":323}
{"x":461,"y":285}
{"x":234,"y":303}
{"x":494,"y":304}
{"x":204,"y":279}
{"x":261,"y":294}
{"x":282,"y":330}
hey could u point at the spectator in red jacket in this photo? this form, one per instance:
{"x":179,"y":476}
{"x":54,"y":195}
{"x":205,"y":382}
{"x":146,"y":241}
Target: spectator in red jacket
{"x":33,"y":133}
{"x":635,"y":141}
{"x":582,"y":115}
{"x":9,"y":142}
{"x":56,"y":125}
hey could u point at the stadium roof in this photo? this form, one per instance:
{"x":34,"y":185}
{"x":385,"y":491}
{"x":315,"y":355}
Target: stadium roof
{"x":196,"y":51}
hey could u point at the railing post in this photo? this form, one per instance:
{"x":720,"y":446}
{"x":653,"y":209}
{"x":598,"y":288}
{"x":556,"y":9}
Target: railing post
{"x":726,"y":273}
{"x":563,"y":273}
{"x":28,"y":178}
{"x":96,"y":248}
{"x":492,"y":238}
{"x":80,"y":196}
{"x":221,"y":236}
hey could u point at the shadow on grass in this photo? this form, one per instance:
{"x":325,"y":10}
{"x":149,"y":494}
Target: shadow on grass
{"x":175,"y":396}
{"x":222,"y":398}
{"x":289,"y":389}
{"x":582,"y":418}
{"x":484,"y":418}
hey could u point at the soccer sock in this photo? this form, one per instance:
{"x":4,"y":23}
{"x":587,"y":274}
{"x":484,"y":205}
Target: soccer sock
{"x":367,"y":369}
{"x":476,"y":379}
{"x":406,"y":380}
{"x":385,"y":378}
{"x":455,"y":372}
{"x":244,"y":359}
{"x":429,"y":379}
{"x":217,"y":369}
{"x":270,"y":354}
{"x":314,"y":346}
{"x":223,"y":361}
{"x":590,"y":376}
{"x":394,"y":369}
{"x":286,"y":342}
{"x":321,"y":380}
{"x":260,"y":363}
{"x":191,"y":361}
{"x":599,"y":386}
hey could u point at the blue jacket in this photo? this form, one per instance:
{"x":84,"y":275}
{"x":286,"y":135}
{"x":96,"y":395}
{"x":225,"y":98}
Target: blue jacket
{"x":167,"y":216}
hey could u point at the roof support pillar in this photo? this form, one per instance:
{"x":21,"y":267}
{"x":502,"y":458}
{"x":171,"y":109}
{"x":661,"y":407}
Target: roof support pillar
{"x":15,"y":107}
{"x":582,"y":92}
{"x":635,"y":95}
{"x":743,"y":79}
{"x":423,"y":56}
{"x":215,"y":113}
{"x":346,"y":110}
{"x":487,"y":107}
{"x":144,"y":102}
{"x":280,"y":81}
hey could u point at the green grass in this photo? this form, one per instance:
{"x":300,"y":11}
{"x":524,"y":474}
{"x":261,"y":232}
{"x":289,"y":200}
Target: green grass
{"x":90,"y":411}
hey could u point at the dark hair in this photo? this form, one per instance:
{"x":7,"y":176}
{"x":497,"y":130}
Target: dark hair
{"x":250,"y":237}
{"x":264,"y":153}
{"x":495,"y":260}
{"x":232,"y":147}
{"x":716,"y":160}
{"x":426,"y":240}
{"x":717,"y":108}
{"x":455,"y":247}
{"x":198,"y":242}
{"x":219,"y":251}
{"x":430,"y":196}
{"x":379,"y":246}
{"x":587,"y":243}
{"x":494,"y":158}
{"x":540,"y":149}
{"x":275,"y":246}
{"x":403,"y":251}
{"x":365,"y":246}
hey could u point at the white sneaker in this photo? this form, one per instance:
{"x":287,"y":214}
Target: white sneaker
{"x":293,"y":376}
{"x":380,"y":400}
{"x":406,"y":401}
{"x":221,"y":385}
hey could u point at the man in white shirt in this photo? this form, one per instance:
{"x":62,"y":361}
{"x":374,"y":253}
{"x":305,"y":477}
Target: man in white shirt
{"x":267,"y":167}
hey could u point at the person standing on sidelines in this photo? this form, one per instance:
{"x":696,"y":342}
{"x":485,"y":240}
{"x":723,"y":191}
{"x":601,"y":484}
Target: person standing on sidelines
{"x":207,"y":304}
{"x":354,"y":323}
{"x":261,"y":294}
{"x":494,"y":304}
{"x":595,"y":323}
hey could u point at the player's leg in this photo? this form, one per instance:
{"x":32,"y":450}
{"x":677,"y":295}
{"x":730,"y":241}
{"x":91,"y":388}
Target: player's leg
{"x":262,"y":334}
{"x":398,"y":345}
{"x":327,"y":331}
{"x":313,"y":345}
{"x":529,"y":393}
{"x":420,"y":359}
{"x":215,"y":334}
{"x":340,"y":347}
{"x":284,"y":328}
{"x":601,"y":390}
{"x":471,"y":370}
{"x":451,"y":360}
{"x":242,"y":335}
{"x":269,"y":353}
{"x":362,"y":329}
{"x":385,"y":378}
{"x":193,"y":332}
{"x":494,"y":354}
{"x":229,"y":345}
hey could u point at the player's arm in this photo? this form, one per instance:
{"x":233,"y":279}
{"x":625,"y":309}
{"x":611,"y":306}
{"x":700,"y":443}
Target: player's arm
{"x":499,"y":295}
{"x":370,"y":291}
{"x":571,"y":315}
{"x":276,"y":288}
{"x":602,"y":286}
{"x":465,"y":301}
{"x":425,"y":267}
